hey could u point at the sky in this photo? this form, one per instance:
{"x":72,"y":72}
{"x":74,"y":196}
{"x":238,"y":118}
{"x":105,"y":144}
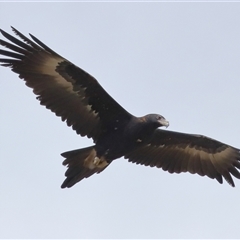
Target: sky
{"x":180,"y":60}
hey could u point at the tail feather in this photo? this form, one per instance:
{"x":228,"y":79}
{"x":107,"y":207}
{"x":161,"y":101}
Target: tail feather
{"x":80,"y":165}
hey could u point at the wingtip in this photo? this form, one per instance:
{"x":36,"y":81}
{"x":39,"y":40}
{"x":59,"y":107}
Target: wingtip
{"x":2,"y":32}
{"x":14,"y":29}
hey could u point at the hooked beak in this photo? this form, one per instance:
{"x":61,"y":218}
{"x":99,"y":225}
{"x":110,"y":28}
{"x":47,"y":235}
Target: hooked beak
{"x":164,"y":122}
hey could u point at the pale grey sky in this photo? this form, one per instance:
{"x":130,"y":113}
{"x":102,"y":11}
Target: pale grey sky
{"x":177,"y":59}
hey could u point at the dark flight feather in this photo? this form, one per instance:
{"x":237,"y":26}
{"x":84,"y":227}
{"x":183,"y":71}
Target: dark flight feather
{"x":61,"y":86}
{"x":83,"y":104}
{"x":178,"y":152}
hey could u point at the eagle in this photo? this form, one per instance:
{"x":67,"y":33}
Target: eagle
{"x":77,"y":97}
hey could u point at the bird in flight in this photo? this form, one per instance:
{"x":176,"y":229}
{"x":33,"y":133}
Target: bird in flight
{"x":80,"y":101}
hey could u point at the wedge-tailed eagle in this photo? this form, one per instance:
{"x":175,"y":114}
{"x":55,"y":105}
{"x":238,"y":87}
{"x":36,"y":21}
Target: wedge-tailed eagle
{"x":80,"y":101}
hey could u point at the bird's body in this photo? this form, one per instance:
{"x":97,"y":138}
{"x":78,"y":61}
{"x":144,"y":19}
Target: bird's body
{"x":79,"y":99}
{"x":117,"y":141}
{"x":121,"y":138}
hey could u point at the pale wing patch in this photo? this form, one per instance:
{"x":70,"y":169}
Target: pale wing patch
{"x":219,"y":159}
{"x":49,"y":66}
{"x":177,"y":158}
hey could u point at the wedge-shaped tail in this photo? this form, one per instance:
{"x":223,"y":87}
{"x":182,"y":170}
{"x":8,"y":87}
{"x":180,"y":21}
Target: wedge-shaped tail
{"x":81,"y":163}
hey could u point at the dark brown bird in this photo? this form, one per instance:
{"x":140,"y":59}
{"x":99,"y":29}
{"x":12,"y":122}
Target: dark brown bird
{"x":79,"y":99}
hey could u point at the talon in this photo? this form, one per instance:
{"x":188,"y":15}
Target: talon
{"x":96,"y":161}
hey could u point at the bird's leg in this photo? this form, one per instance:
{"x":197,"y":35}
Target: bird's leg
{"x":96,"y":161}
{"x":100,"y":162}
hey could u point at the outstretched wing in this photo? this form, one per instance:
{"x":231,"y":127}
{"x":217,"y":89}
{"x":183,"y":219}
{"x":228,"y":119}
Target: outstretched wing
{"x":62,"y":87}
{"x":179,"y":152}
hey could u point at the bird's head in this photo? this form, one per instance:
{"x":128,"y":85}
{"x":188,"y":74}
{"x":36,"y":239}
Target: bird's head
{"x":158,"y":120}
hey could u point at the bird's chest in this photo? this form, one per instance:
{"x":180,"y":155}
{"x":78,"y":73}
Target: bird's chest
{"x":120,"y":140}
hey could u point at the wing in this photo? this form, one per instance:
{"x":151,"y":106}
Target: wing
{"x":179,"y":152}
{"x":62,"y":87}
